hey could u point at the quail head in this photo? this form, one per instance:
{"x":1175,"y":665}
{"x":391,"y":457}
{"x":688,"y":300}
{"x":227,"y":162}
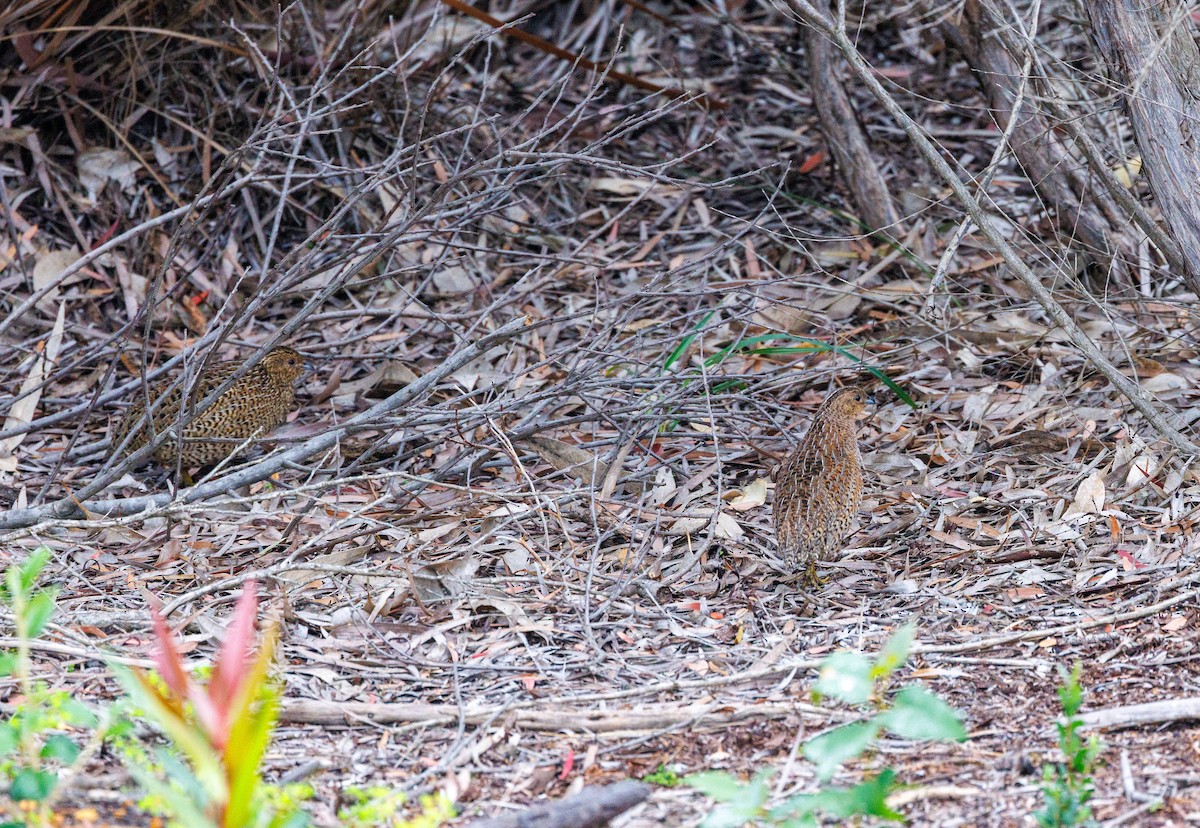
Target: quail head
{"x":255,"y":404}
{"x":818,"y":488}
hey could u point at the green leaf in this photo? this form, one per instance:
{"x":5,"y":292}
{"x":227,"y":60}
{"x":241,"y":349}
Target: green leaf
{"x":718,"y":785}
{"x":829,"y":750}
{"x":29,"y":570}
{"x":37,"y":613}
{"x":893,"y":655}
{"x":746,"y":802}
{"x":8,"y":662}
{"x":184,"y":807}
{"x":870,"y":797}
{"x":1071,"y":692}
{"x":845,"y":676}
{"x":727,"y":816}
{"x":9,"y":740}
{"x":298,"y":819}
{"x":31,"y":785}
{"x":918,"y":713}
{"x":61,"y":747}
{"x":78,"y":714}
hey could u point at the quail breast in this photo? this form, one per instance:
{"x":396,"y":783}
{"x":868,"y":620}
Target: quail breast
{"x":818,"y":488}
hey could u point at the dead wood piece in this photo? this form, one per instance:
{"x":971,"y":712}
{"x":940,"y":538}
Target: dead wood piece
{"x":592,"y":807}
{"x":845,"y":137}
{"x":645,"y":718}
{"x":1133,"y":715}
{"x":1150,"y":49}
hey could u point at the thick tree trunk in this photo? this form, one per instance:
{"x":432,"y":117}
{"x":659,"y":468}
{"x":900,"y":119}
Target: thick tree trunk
{"x":1151,"y":52}
{"x":845,"y":135}
{"x":1059,"y":176}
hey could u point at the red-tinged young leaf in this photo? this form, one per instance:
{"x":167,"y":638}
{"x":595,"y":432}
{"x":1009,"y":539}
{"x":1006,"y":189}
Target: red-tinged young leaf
{"x":230,"y":670}
{"x":254,"y":685}
{"x":167,"y":715}
{"x":167,"y":657}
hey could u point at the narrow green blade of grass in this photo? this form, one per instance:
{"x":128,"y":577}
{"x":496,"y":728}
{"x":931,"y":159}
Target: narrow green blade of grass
{"x":686,"y":343}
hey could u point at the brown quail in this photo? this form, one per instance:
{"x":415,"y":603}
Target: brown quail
{"x":252,"y":406}
{"x":819,"y":486}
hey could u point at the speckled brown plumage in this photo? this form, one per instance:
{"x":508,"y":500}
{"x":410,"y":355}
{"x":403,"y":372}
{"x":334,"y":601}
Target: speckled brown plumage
{"x":819,"y":486}
{"x":252,"y":406}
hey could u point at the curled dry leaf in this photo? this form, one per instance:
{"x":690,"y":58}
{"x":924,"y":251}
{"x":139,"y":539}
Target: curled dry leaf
{"x":99,"y":165}
{"x":751,"y":497}
{"x":570,"y":458}
{"x":1089,"y":498}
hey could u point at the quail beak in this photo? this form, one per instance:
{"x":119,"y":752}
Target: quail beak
{"x":871,"y":399}
{"x":307,"y":373}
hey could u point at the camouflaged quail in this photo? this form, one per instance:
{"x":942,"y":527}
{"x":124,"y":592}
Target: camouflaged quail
{"x":251,"y":407}
{"x":818,"y":488}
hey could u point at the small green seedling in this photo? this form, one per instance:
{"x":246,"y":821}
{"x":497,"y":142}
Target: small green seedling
{"x":1067,"y":785}
{"x":912,"y":713}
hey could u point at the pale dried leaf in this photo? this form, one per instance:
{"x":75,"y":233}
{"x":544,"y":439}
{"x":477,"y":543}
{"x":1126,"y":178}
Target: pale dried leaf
{"x":728,"y":528}
{"x":1140,"y":470}
{"x":340,"y":557}
{"x":609,"y":484}
{"x":751,"y":497}
{"x":99,"y":165}
{"x":445,"y":36}
{"x":569,"y":458}
{"x":664,"y":486}
{"x":47,"y":270}
{"x":1089,"y":497}
{"x":1165,"y":382}
{"x":22,"y":411}
{"x":445,"y":579}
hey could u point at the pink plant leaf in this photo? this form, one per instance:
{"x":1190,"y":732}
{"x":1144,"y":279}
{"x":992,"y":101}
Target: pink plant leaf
{"x":167,"y":657}
{"x":169,"y":663}
{"x":233,"y":661}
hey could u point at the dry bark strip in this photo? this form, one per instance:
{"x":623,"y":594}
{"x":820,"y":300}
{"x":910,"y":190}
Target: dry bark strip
{"x":845,"y":138}
{"x":1150,"y":49}
{"x":594,"y":806}
{"x":1132,"y":715}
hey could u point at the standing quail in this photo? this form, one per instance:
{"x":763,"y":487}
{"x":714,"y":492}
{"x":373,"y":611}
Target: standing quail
{"x":252,"y":406}
{"x":819,"y":486}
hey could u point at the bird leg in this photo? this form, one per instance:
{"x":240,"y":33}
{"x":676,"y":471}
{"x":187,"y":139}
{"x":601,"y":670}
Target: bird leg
{"x":812,"y":578}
